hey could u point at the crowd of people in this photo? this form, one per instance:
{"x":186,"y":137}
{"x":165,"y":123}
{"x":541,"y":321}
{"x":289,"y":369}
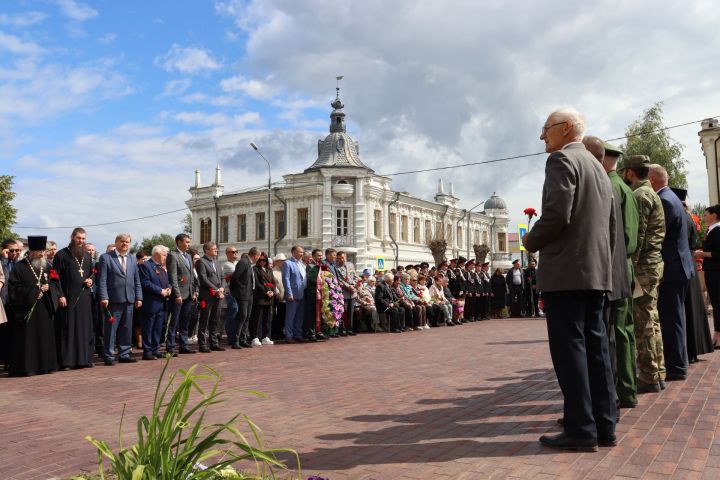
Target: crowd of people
{"x":66,"y":306}
{"x":619,"y":284}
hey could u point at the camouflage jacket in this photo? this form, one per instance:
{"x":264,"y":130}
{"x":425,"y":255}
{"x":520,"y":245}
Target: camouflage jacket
{"x":647,"y":260}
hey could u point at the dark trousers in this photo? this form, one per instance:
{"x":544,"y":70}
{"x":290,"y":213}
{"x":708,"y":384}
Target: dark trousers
{"x":261,"y":317}
{"x":671,"y":308}
{"x":516,"y":300}
{"x":239,"y":327}
{"x":350,"y":314}
{"x":309,"y":321}
{"x":278,"y":321}
{"x":395,"y":317}
{"x":209,"y":329}
{"x":608,"y":320}
{"x":579,"y":351}
{"x":152,"y":325}
{"x":712,"y":282}
{"x":178,"y":323}
{"x":531,"y":302}
{"x":120,"y":328}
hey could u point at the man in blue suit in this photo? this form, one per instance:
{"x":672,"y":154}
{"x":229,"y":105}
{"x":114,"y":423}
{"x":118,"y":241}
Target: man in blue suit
{"x":676,"y":275}
{"x":294,"y":279}
{"x":156,"y":290}
{"x":119,"y":291}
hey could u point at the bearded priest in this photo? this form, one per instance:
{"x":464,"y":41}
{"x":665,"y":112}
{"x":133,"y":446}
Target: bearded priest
{"x":74,"y":318}
{"x":33,"y":291}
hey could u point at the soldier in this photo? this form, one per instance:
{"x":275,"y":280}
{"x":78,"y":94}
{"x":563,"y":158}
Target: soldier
{"x":648,"y":265}
{"x":618,"y":311}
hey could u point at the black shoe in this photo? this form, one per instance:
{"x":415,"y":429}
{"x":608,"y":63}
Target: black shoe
{"x":184,"y":351}
{"x":245,"y":344}
{"x":343,"y":334}
{"x":128,"y":360}
{"x":607,"y":440}
{"x":675,"y":377}
{"x":311,"y":338}
{"x":561,"y":421}
{"x":236,"y":346}
{"x":648,"y":388}
{"x":351,"y":333}
{"x":109,"y":362}
{"x":627,"y":404}
{"x":397,"y":330}
{"x":662,"y":385}
{"x":450,"y":324}
{"x":321,"y":336}
{"x":564,"y":442}
{"x":149,"y":356}
{"x":217,"y":348}
{"x":204,"y":350}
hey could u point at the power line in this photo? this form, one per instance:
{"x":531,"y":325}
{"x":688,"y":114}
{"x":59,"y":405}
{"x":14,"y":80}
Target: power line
{"x":408,"y":172}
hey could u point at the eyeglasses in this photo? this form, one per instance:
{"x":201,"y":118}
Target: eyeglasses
{"x":233,"y":251}
{"x":262,"y":259}
{"x":546,"y":128}
{"x":14,"y":250}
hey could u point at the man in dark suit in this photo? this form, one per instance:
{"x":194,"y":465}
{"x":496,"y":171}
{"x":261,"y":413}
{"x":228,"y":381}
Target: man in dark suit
{"x":184,"y":287}
{"x":575,"y":237}
{"x":210,"y":295}
{"x":156,"y":290}
{"x":678,"y":270}
{"x":242,"y":285}
{"x":119,"y":291}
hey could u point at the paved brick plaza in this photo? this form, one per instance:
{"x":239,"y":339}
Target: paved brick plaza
{"x":466,"y":402}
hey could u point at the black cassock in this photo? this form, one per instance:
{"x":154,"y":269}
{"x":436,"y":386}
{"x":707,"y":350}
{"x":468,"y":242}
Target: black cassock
{"x":33,"y":339}
{"x":74,"y":323}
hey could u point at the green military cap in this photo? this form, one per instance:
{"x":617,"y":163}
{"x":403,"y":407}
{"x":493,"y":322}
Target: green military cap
{"x":636,"y":161}
{"x":612,"y":149}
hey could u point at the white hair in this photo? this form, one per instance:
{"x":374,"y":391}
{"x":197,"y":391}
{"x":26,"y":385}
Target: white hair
{"x":659,"y":173}
{"x":578,"y":121}
{"x":388,"y":277}
{"x":161,"y":249}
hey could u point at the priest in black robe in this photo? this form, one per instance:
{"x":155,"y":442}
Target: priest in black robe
{"x":33,"y":290}
{"x":74,"y":317}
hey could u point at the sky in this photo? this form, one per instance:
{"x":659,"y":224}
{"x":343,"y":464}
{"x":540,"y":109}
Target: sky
{"x":107,"y":108}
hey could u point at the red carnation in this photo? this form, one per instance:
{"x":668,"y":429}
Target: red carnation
{"x":530,"y":212}
{"x":269,"y":284}
{"x":93,"y":271}
{"x":228,"y":278}
{"x":212,"y":292}
{"x":111,"y":319}
{"x":203,"y":304}
{"x":182,"y":280}
{"x":53,"y":274}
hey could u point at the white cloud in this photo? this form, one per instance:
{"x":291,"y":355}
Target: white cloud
{"x":176,"y":87}
{"x":187,"y":60}
{"x":20,"y":20}
{"x":76,"y":10}
{"x":108,"y":38}
{"x":218,"y":119}
{"x":256,"y":89}
{"x":16,"y":46}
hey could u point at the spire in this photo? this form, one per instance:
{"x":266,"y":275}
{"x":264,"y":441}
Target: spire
{"x":452,"y":190}
{"x":441,"y":189}
{"x":218,"y":180}
{"x":337,"y":117}
{"x":197,"y":178}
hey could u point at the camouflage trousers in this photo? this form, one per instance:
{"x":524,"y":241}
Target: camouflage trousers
{"x":648,"y":335}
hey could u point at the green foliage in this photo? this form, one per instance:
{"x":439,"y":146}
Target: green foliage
{"x":147,"y":244}
{"x":187,"y":223}
{"x":8,"y":214}
{"x":175,"y":439}
{"x":645,"y":137}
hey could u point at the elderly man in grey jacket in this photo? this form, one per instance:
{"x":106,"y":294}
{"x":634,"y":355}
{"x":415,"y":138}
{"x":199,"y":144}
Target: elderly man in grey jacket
{"x":575,"y":237}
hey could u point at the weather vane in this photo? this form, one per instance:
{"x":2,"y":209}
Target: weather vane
{"x":338,"y":83}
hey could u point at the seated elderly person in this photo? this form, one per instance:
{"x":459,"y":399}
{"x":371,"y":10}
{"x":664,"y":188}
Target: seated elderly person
{"x":387,"y":303}
{"x":412,"y":311}
{"x":366,"y":302}
{"x":408,"y":282}
{"x":433,"y":310}
{"x":438,"y":296}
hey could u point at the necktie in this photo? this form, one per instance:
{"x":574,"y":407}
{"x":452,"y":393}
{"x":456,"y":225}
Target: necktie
{"x":186,"y":257}
{"x":123,"y":263}
{"x":213,"y":264}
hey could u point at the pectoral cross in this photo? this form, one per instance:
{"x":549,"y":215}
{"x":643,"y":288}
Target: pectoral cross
{"x":81,"y":272}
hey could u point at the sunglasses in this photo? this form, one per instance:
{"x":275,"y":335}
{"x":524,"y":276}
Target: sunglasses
{"x":14,"y":250}
{"x":233,"y":251}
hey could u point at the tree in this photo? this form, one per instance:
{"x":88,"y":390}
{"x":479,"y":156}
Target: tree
{"x":646,"y":137}
{"x":187,"y":223}
{"x":438,"y":245}
{"x":8,"y":214}
{"x":147,"y":244}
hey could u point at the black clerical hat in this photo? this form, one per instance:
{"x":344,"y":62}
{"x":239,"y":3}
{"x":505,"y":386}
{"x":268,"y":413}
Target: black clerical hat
{"x":680,"y":192}
{"x":37,"y":243}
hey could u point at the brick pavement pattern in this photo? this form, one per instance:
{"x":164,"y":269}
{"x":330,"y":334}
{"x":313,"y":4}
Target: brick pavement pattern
{"x":466,"y":402}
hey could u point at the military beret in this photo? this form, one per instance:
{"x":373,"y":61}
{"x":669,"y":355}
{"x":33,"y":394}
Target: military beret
{"x":612,"y":149}
{"x":635,"y":161}
{"x":453,"y":260}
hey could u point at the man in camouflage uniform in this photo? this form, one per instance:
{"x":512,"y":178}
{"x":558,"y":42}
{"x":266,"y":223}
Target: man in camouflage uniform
{"x":648,"y":265}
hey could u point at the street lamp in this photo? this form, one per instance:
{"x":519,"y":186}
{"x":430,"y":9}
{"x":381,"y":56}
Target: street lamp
{"x":268,"y":220}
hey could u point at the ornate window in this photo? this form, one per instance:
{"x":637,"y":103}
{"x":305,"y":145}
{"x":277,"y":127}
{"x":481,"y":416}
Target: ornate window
{"x":342,"y":226}
{"x":224,"y":229}
{"x":428,"y":230}
{"x":393,"y":226}
{"x":416,"y":230}
{"x":502,"y":242}
{"x":459,"y":237}
{"x":205,"y":230}
{"x":241,"y":228}
{"x":377,"y":223}
{"x":404,"y":228}
{"x":260,"y":226}
{"x":303,"y":223}
{"x":279,"y":224}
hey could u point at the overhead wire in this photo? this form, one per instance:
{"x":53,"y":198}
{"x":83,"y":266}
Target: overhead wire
{"x":407,"y":172}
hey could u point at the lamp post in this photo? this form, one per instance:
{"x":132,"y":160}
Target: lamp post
{"x":268,"y":220}
{"x":467,"y":229}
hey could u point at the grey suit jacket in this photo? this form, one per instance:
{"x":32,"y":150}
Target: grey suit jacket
{"x":182,"y":280}
{"x":576,"y":233}
{"x":208,"y":277}
{"x":114,"y":284}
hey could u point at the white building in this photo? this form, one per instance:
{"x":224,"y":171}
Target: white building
{"x":340,"y":202}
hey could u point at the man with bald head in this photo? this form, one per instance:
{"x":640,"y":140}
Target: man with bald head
{"x":575,"y":237}
{"x":676,"y":276}
{"x":618,"y":308}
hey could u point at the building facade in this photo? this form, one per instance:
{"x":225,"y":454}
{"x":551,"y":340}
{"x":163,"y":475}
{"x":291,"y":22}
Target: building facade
{"x":340,"y":202}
